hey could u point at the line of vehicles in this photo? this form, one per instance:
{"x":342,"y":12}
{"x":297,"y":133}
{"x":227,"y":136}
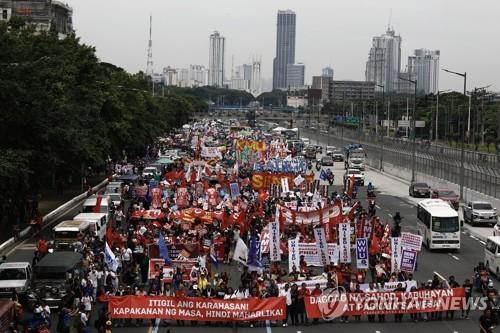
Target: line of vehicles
{"x":47,"y":280}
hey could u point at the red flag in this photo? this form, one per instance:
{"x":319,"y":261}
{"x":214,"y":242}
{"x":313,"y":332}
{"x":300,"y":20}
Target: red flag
{"x":352,"y":211}
{"x":375,"y":245}
{"x":208,"y":172}
{"x":110,"y":237}
{"x":97,"y":207}
{"x":336,"y":214}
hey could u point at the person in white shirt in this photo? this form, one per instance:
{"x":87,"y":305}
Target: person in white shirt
{"x":241,"y":293}
{"x":87,"y":303}
{"x":371,"y":289}
{"x":286,"y":292}
{"x":119,"y":216}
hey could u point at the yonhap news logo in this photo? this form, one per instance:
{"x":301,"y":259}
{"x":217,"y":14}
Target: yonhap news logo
{"x":332,"y":303}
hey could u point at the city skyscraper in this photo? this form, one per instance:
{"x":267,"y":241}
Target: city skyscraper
{"x":295,"y":75}
{"x":384,"y":61}
{"x":216,"y":60}
{"x":327,"y":72}
{"x":285,"y":47}
{"x":424,"y":65}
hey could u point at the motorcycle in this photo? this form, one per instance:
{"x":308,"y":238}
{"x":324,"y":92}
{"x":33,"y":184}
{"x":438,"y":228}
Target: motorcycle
{"x":372,"y":210}
{"x":370,"y":193}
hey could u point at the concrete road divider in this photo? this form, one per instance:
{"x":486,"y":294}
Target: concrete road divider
{"x":55,"y":214}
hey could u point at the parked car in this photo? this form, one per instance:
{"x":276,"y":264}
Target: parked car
{"x":337,"y":156}
{"x":447,"y":195}
{"x":15,"y":277}
{"x":327,"y":161}
{"x":51,"y":276}
{"x":358,"y":175}
{"x":422,"y":190}
{"x":480,"y":212}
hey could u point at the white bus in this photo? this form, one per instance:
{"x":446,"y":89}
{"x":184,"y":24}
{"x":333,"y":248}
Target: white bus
{"x":438,"y":224}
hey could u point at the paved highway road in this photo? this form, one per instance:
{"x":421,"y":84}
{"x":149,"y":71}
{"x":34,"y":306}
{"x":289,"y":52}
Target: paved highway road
{"x":390,"y":198}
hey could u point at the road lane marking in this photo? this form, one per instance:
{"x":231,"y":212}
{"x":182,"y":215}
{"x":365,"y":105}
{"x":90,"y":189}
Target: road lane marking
{"x":378,"y":207}
{"x":157,"y":325}
{"x":454,"y":256}
{"x":268,"y":327}
{"x":390,"y":215}
{"x":473,"y":237}
{"x":482,"y":242}
{"x":440,"y":276}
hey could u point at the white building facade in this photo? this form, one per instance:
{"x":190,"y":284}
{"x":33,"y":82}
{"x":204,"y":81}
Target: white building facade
{"x":384,"y":61}
{"x":424,"y":65}
{"x":216,"y":60}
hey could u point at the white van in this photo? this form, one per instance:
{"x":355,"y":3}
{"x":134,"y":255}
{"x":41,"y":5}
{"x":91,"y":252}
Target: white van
{"x":103,"y":203}
{"x":492,"y":254}
{"x":98,"y":223}
{"x":68,"y":232}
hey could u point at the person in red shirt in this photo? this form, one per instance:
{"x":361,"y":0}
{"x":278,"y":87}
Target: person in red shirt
{"x":315,"y":293}
{"x":301,"y":306}
{"x":42,"y":246}
{"x":180,"y":292}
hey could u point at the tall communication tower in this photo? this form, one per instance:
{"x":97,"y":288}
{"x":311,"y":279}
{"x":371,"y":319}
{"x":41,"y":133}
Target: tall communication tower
{"x":149,"y":66}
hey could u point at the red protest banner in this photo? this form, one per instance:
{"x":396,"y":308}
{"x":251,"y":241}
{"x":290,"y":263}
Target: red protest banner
{"x":336,"y":303}
{"x":197,"y":308}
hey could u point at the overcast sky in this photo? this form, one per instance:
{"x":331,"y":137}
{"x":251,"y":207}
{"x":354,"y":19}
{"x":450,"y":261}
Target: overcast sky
{"x":329,"y":32}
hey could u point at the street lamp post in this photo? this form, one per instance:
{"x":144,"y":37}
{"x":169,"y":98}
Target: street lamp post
{"x":412,"y":126}
{"x":381,"y":132}
{"x":462,"y":149}
{"x":436,"y":138}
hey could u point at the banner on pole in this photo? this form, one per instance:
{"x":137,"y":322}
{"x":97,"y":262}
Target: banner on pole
{"x":293,"y":254}
{"x":274,"y":239}
{"x":395,"y":253}
{"x":321,"y":246}
{"x":362,"y":253}
{"x":411,"y":241}
{"x":408,"y":260}
{"x":345,"y":242}
{"x":284,"y":185}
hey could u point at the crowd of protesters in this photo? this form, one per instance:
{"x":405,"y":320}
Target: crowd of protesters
{"x":133,"y":237}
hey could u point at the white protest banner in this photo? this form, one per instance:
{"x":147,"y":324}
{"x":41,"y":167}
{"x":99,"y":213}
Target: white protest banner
{"x":310,"y":253}
{"x":298,"y":180}
{"x":210,"y":152}
{"x":390,"y":286}
{"x":274,"y":239}
{"x":321,"y":246}
{"x":284,"y":185}
{"x":293,"y":254}
{"x":310,"y":284}
{"x":241,"y":252}
{"x":345,"y":242}
{"x":395,"y":253}
{"x":362,"y":253}
{"x":411,"y":241}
